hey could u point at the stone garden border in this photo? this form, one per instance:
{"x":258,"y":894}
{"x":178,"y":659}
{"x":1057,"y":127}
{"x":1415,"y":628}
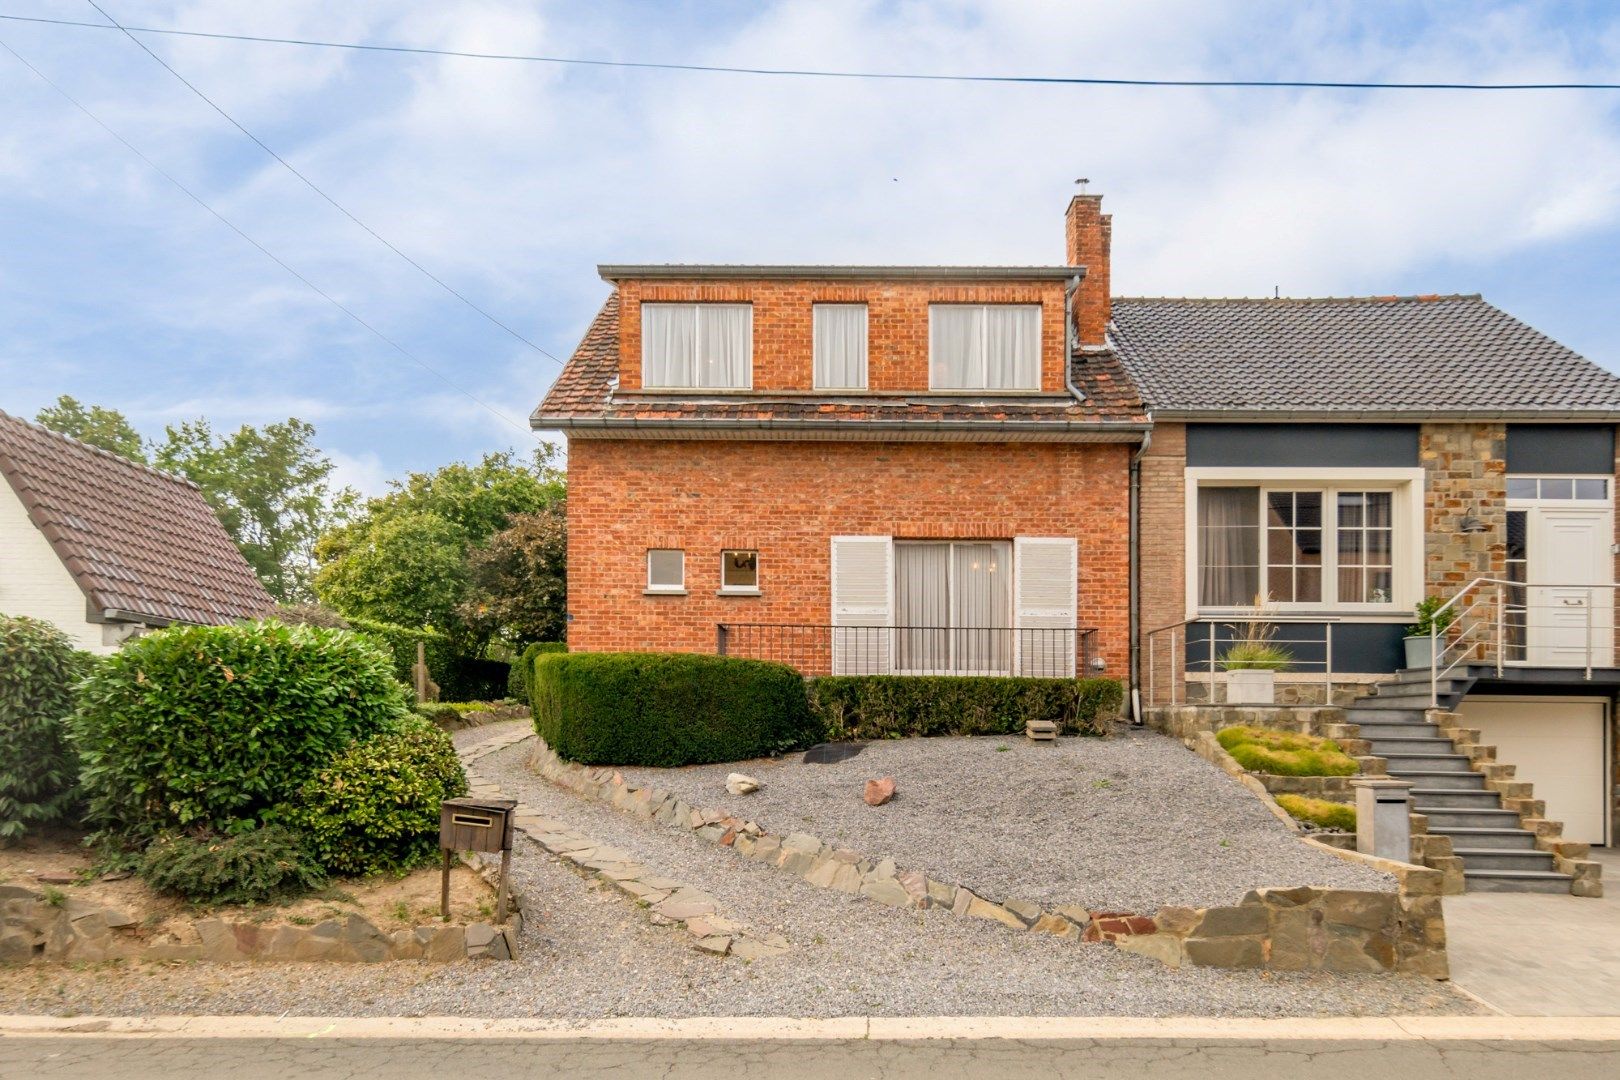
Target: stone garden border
{"x":1300,"y":929}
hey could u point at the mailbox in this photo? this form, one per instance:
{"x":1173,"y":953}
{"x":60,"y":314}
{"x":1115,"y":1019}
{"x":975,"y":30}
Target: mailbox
{"x":476,"y":824}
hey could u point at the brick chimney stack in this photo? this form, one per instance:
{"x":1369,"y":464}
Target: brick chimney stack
{"x":1088,"y":233}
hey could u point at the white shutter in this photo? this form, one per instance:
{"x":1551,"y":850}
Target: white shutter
{"x":862,"y":604}
{"x":1045,"y":605}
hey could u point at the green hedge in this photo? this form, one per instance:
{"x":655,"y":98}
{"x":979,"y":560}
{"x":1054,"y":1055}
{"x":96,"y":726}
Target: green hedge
{"x":904,"y":706}
{"x":460,"y":677}
{"x":38,"y":772}
{"x":1286,"y":753}
{"x":517,"y":680}
{"x":209,"y":727}
{"x":667,"y":709}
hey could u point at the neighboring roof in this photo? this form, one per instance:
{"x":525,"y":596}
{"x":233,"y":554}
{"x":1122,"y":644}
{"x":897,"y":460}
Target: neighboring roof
{"x":684,"y":271}
{"x":1366,"y":356}
{"x":143,"y":545}
{"x":585,"y":397}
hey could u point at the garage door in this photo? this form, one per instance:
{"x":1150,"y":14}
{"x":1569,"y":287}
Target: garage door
{"x":1558,"y":745}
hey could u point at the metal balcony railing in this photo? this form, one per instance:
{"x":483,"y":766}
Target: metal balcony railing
{"x":815,"y":649}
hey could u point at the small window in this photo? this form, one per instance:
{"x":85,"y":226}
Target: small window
{"x":1595,"y":488}
{"x":984,"y":346}
{"x":739,"y":571}
{"x":666,"y":570}
{"x":840,"y":346}
{"x":697,"y":346}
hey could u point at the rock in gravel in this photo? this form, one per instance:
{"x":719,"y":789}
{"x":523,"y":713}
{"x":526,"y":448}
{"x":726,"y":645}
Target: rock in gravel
{"x":739,"y":784}
{"x":879,"y":792}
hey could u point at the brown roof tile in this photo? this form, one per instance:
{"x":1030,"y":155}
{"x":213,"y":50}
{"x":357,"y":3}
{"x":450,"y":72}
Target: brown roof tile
{"x":137,"y":541}
{"x":587,"y":392}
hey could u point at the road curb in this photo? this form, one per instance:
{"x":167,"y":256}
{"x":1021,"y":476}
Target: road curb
{"x":790,"y":1029}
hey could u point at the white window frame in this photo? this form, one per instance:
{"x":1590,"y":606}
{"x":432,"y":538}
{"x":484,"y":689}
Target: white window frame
{"x":739,"y":590}
{"x":697,"y":344}
{"x":1539,"y":500}
{"x":666,"y":590}
{"x":866,"y":354}
{"x":1407,"y":518}
{"x":1040,"y":329}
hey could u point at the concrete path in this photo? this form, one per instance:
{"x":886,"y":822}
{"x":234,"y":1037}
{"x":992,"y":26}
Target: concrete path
{"x":1528,"y":954}
{"x":1118,"y":1049}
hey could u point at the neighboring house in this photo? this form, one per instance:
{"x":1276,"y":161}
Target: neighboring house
{"x":103,"y":547}
{"x":854,"y":468}
{"x":1339,"y":460}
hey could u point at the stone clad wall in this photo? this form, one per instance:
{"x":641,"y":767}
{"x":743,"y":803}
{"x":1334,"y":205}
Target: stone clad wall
{"x":1465,"y":473}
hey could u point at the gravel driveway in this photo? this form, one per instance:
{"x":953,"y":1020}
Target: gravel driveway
{"x":589,"y":952}
{"x":1127,"y":823}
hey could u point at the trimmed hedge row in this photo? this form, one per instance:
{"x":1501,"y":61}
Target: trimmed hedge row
{"x":460,"y":677}
{"x":517,"y":680}
{"x":38,"y":772}
{"x":668,"y":709}
{"x":906,"y":706}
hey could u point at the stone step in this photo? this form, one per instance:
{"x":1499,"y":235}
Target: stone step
{"x":1450,"y":781}
{"x":1444,"y":818}
{"x":1478,"y":839}
{"x":1420,"y":677}
{"x":1516,"y":881}
{"x":1401,"y":764}
{"x":1455,"y":799}
{"x":1504,"y":859}
{"x":1375,"y":722}
{"x":1385,"y":745}
{"x":1385,"y":702}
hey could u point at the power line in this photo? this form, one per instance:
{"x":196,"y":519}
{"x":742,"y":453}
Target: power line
{"x":322,"y":293}
{"x":1060,"y":80}
{"x":384,"y":241}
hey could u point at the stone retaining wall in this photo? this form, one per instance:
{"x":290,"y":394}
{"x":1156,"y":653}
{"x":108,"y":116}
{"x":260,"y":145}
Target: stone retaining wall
{"x":1275,"y":929}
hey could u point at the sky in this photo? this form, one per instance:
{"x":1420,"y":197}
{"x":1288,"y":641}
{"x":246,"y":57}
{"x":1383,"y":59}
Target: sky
{"x":512,"y":181}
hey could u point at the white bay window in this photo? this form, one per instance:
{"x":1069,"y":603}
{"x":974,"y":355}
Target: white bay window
{"x":697,"y":346}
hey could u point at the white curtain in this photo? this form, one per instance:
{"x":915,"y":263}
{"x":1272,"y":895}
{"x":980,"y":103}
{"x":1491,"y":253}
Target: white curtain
{"x":1012,"y":347}
{"x":1228,"y":546}
{"x":956,"y":346}
{"x":725,"y":345}
{"x":981,"y":606}
{"x":922,"y":606}
{"x":668,"y":345}
{"x":840,"y":346}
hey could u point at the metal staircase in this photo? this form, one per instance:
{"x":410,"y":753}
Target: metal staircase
{"x":1498,"y":855}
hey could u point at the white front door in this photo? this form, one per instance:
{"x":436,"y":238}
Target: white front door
{"x":1570,"y":616}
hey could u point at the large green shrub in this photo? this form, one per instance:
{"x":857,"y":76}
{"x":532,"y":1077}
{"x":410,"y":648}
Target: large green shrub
{"x":460,"y":677}
{"x":668,"y":709}
{"x":904,"y":706}
{"x":375,"y":806}
{"x":38,"y":667}
{"x":1286,"y":753}
{"x":254,"y":867}
{"x":517,"y":680}
{"x":209,"y":727}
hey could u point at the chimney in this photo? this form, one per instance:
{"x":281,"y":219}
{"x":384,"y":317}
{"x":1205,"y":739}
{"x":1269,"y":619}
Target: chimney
{"x":1088,"y":232}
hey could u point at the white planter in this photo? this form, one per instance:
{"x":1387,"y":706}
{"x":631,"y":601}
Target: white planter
{"x":1420,"y":652}
{"x":1248,"y":686}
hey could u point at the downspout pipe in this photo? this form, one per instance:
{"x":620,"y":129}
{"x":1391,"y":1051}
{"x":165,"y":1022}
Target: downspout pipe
{"x":1071,"y":337}
{"x":1135,"y":559}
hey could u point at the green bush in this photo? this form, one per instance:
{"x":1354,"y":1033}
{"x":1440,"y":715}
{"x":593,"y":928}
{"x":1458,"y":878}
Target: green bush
{"x":375,"y":806}
{"x":667,"y":709}
{"x":1286,"y":753}
{"x":38,"y":667}
{"x":209,"y":727}
{"x":460,"y":677}
{"x":517,"y":680}
{"x":254,"y":867}
{"x":905,"y":706}
{"x":1340,"y":817}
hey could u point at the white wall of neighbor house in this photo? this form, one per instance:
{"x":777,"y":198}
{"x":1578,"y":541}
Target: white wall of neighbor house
{"x":34,"y":582}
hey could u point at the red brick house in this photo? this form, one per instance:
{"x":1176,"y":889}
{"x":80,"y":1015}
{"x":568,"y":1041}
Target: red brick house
{"x":855,"y":468}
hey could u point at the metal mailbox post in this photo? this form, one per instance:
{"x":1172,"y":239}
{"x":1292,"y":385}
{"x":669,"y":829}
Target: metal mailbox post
{"x":476,"y":825}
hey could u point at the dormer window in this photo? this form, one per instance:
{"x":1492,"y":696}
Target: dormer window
{"x":697,"y":346}
{"x":984,"y":347}
{"x":840,"y":346}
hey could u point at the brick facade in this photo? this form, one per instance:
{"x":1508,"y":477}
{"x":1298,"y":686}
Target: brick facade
{"x":788,"y":499}
{"x":897,"y":325}
{"x":1163,"y":517}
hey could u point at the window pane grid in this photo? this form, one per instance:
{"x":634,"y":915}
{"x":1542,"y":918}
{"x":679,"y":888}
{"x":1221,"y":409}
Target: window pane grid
{"x":1294,"y":546}
{"x":1558,"y":488}
{"x":1366,"y":539}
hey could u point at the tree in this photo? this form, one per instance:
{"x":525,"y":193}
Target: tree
{"x":106,"y":428}
{"x":404,"y":559}
{"x":269,"y":486}
{"x":517,"y":584}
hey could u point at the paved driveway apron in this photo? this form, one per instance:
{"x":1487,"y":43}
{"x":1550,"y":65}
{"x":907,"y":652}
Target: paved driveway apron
{"x":1530,"y":954}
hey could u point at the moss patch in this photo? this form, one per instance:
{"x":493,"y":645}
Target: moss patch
{"x":1319,"y":812}
{"x":1286,"y":753}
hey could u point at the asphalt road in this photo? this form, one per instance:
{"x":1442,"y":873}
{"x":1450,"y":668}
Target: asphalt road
{"x":180,"y":1058}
